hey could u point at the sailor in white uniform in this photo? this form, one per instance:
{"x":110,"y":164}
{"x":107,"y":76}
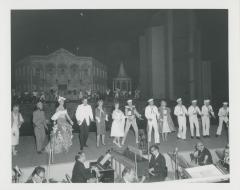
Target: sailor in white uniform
{"x":223,"y":118}
{"x":152,"y":115}
{"x":193,"y":112}
{"x":207,"y":113}
{"x":180,"y":111}
{"x":131,"y":113}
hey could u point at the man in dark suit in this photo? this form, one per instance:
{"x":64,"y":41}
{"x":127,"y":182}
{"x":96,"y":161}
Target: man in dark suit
{"x":80,"y":173}
{"x":157,"y":165}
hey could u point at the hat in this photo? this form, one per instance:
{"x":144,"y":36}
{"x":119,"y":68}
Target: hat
{"x":128,"y":101}
{"x":179,"y":99}
{"x":60,"y":98}
{"x":150,"y":100}
{"x":206,"y":101}
{"x":194,"y":101}
{"x":225,"y":103}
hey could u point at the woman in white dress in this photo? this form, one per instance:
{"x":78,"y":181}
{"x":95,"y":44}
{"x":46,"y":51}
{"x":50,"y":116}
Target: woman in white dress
{"x":165,"y":122}
{"x":17,"y":121}
{"x":117,"y":130}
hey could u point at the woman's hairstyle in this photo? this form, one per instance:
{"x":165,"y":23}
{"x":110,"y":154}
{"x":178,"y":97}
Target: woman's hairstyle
{"x":98,"y":102}
{"x":38,"y":170}
{"x":64,"y":104}
{"x":15,"y":105}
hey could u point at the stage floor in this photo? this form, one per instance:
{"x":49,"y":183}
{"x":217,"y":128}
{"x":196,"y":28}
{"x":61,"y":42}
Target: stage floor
{"x":27,"y":156}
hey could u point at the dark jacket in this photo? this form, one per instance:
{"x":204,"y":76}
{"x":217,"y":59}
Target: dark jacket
{"x":201,"y":156}
{"x":160,"y":168}
{"x":80,"y":174}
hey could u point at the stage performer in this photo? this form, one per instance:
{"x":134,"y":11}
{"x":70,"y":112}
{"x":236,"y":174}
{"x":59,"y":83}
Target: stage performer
{"x":157,"y":165}
{"x":101,"y":116}
{"x":131,"y":113}
{"x":152,"y":115}
{"x":40,"y":124}
{"x":193,"y":112}
{"x":80,"y":173}
{"x":117,"y":130}
{"x":84,"y":116}
{"x":180,"y":111}
{"x":207,"y":112}
{"x":17,"y":121}
{"x":223,"y":118}
{"x":61,"y":138}
{"x":165,"y":122}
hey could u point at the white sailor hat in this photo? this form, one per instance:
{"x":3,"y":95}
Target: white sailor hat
{"x":206,"y":101}
{"x":225,"y":103}
{"x":150,"y":100}
{"x":179,"y":99}
{"x":60,"y":98}
{"x":130,"y":100}
{"x":194,"y":101}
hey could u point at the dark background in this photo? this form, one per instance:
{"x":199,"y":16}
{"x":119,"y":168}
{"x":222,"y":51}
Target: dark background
{"x":112,"y":36}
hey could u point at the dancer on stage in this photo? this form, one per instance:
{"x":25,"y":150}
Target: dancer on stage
{"x":223,"y":118}
{"x":193,"y":112}
{"x":40,"y":124}
{"x":117,"y":130}
{"x":180,"y":111}
{"x":17,"y":121}
{"x":152,"y":115}
{"x":165,"y":122}
{"x":131,"y":113}
{"x":101,"y":116}
{"x":62,"y":131}
{"x":84,"y":115}
{"x":207,"y":112}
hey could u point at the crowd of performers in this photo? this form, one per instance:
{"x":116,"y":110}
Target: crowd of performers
{"x":158,"y":120}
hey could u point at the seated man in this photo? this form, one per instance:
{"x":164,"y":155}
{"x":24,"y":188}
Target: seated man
{"x":38,"y":176}
{"x":80,"y":173}
{"x":157,"y":165}
{"x":202,"y":155}
{"x":224,"y":158}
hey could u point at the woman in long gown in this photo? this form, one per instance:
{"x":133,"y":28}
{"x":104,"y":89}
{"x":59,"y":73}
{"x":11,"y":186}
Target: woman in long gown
{"x":61,"y":139}
{"x":101,"y":116}
{"x":165,"y":122}
{"x":117,"y":130}
{"x":17,"y":121}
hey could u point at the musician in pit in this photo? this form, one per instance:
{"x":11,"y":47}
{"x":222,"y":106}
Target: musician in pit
{"x":80,"y":173}
{"x":37,"y":176}
{"x":131,"y":113}
{"x":157,"y":165}
{"x":201,"y":155}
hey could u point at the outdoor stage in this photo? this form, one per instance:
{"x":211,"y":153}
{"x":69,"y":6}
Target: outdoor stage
{"x":27,"y":158}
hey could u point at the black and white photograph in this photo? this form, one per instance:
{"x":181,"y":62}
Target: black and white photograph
{"x":120,"y":95}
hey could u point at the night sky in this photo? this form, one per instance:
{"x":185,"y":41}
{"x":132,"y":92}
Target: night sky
{"x":112,"y":36}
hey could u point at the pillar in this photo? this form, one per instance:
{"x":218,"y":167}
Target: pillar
{"x":170,"y":54}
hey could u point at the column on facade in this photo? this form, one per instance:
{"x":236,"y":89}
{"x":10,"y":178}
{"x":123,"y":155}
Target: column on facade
{"x":191,"y":57}
{"x":170,"y":54}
